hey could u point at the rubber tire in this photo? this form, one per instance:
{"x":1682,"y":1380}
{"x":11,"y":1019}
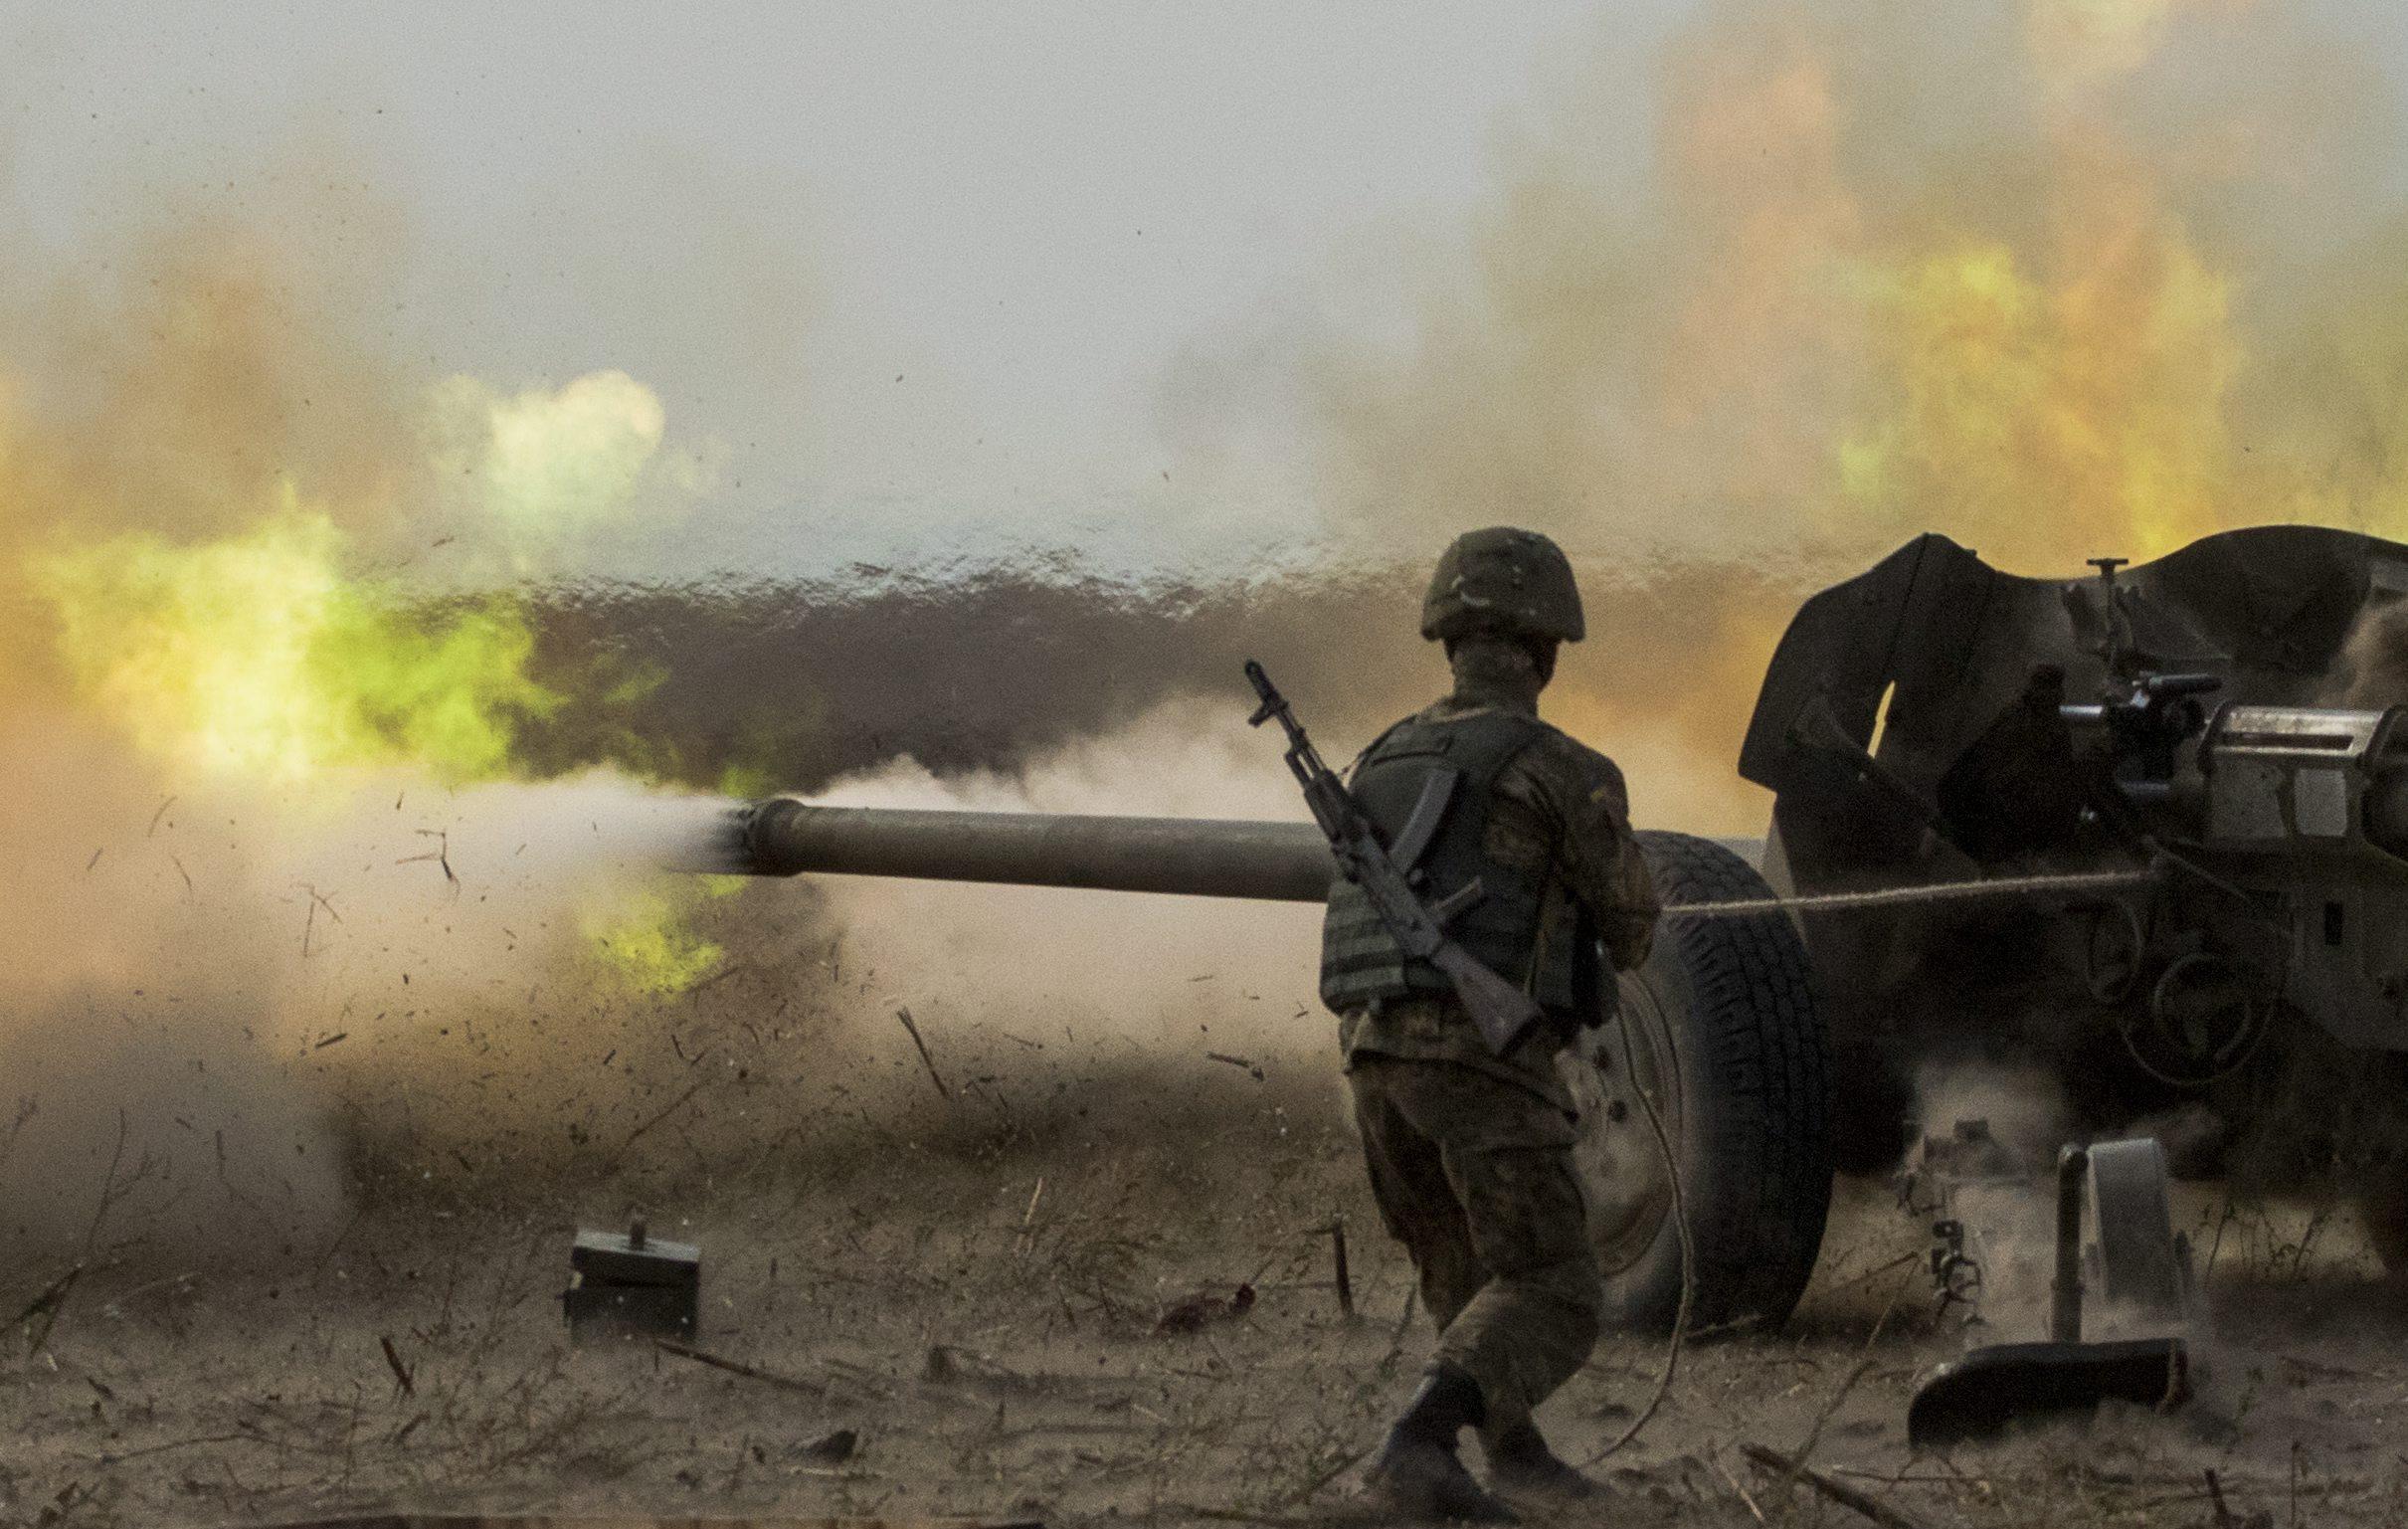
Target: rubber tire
{"x":1754,"y":1113}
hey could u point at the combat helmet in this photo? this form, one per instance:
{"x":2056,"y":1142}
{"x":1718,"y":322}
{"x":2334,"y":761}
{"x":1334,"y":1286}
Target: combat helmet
{"x":1503,"y":580}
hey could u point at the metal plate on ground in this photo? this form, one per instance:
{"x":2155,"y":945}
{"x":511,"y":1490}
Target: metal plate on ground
{"x":1982,"y":1395}
{"x":2139,"y":1267}
{"x":632,"y":1285}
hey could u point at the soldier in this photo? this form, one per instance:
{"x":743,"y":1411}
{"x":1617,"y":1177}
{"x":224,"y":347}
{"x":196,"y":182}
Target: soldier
{"x":1471,"y":1152}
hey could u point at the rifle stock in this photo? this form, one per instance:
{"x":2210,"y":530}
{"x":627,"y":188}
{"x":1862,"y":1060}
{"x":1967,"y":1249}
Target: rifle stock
{"x":1504,"y":1015}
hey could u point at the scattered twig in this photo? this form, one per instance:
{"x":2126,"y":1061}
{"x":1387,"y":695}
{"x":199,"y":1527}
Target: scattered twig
{"x":1867,"y":1277}
{"x":112,"y":1190}
{"x":926,"y":1061}
{"x":1243,"y":1064}
{"x":1898,"y":1290}
{"x":738,"y":1367}
{"x":440,"y":854}
{"x":2215,"y":1495}
{"x":1028,"y":1219}
{"x":155,"y":817}
{"x":664,"y":1114}
{"x":1404,"y":1323}
{"x":340,"y":1237}
{"x":179,"y":1444}
{"x":1745,"y":1496}
{"x":1245,"y":1516}
{"x":1815,"y":1434}
{"x":2310,"y":1489}
{"x":27,"y":1107}
{"x":401,"y":1372}
{"x":48,"y":1301}
{"x":318,"y":900}
{"x":1346,"y":1283}
{"x":2225,"y":1218}
{"x":1838,"y":1491}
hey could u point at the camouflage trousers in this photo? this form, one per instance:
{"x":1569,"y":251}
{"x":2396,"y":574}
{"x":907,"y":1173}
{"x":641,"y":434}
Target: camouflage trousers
{"x":1474,"y":1177}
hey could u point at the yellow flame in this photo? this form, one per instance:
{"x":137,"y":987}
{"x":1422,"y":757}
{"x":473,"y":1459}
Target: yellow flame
{"x":2018,"y":404}
{"x":646,"y":949}
{"x":2066,"y":368}
{"x":257,"y":654}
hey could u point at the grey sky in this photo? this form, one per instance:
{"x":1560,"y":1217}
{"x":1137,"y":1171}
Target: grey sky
{"x":1026,"y":212}
{"x":938,"y":280}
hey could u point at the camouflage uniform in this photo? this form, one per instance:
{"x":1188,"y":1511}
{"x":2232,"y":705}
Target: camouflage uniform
{"x":1470,"y":1153}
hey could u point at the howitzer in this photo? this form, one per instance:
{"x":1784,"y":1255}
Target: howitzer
{"x":2231,"y":714}
{"x":2221,"y":720}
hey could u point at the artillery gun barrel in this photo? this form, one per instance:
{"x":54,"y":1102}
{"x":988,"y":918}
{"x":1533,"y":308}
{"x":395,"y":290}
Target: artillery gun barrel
{"x":1201,"y":858}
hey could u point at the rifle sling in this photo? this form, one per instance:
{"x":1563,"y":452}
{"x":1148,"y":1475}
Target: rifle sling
{"x":1422,"y":825}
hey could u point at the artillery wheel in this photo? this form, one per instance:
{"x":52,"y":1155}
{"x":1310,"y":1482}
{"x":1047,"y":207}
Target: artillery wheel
{"x":1719,"y":1033}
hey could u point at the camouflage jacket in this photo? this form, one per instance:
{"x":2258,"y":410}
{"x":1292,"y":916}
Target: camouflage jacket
{"x":1559,"y":806}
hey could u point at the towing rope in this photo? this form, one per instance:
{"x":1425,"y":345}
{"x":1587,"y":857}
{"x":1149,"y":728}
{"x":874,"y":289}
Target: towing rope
{"x":2072,"y":884}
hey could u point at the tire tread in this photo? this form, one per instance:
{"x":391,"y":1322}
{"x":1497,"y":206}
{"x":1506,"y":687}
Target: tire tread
{"x":1760,"y":1232}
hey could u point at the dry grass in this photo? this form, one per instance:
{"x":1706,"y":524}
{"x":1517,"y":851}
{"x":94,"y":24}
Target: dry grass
{"x":992,"y":1345}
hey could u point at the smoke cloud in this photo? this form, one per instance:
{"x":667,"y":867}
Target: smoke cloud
{"x":2060,"y":281}
{"x":271,"y":815}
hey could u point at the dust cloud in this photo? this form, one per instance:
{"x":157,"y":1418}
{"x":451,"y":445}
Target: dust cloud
{"x":200,"y":980}
{"x":269,"y":823}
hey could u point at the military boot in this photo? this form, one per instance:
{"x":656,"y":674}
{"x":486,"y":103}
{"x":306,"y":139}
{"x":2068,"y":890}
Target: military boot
{"x":1416,"y":1475}
{"x":1521,"y":1464}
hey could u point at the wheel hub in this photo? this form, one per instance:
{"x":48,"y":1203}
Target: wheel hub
{"x":1614,"y":1074}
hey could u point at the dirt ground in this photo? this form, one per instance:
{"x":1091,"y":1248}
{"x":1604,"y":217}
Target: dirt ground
{"x":971,"y":1283}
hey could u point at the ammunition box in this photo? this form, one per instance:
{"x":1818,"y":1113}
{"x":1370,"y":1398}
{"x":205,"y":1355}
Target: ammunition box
{"x":631,"y":1286}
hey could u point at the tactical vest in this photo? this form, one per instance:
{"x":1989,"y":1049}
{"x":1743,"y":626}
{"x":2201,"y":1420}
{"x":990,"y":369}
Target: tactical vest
{"x":1361,"y":960}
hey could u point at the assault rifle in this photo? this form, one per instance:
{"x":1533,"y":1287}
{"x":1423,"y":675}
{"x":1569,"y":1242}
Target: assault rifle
{"x":1504,"y":1015}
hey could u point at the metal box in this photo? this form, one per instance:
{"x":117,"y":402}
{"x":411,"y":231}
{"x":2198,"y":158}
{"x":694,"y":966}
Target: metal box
{"x":631,"y":1286}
